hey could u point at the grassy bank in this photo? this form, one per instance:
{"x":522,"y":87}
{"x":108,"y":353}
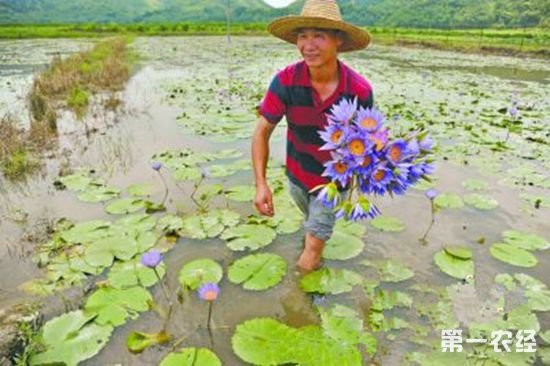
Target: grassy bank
{"x":66,"y":83}
{"x":529,"y":41}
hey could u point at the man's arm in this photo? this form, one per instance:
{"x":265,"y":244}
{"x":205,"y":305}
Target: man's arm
{"x":260,"y":155}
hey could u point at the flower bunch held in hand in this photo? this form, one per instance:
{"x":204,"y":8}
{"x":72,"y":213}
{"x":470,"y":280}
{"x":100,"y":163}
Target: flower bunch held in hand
{"x":366,"y":161}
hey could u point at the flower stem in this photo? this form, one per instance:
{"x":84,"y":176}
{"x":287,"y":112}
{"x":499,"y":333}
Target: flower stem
{"x":167,"y":297}
{"x":423,"y":238}
{"x":165,"y":188}
{"x":208,"y":324}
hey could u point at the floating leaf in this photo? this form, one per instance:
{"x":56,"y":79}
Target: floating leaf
{"x":200,"y":271}
{"x":248,"y":236}
{"x":102,"y":252}
{"x":258,"y":271}
{"x":137,"y":342}
{"x":75,"y":182}
{"x":209,"y":225}
{"x":95,"y":194}
{"x":125,"y":206}
{"x":386,"y":300}
{"x":475,"y":185}
{"x":115,"y":306}
{"x":350,"y":227}
{"x":448,"y":200}
{"x":329,"y":280}
{"x":536,"y":292}
{"x":386,"y":223}
{"x":264,"y":341}
{"x":525,"y":240}
{"x":453,"y":266}
{"x":86,"y":232}
{"x":459,"y":252}
{"x":71,"y":339}
{"x":482,"y":202}
{"x":391,"y":270}
{"x":141,"y":189}
{"x":343,"y":246}
{"x":243,"y":193}
{"x":513,"y":255}
{"x":191,"y":357}
{"x":132,"y":273}
{"x":506,"y":280}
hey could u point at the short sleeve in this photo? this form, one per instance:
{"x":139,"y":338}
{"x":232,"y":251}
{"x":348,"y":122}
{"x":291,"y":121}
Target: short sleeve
{"x":273,"y":105}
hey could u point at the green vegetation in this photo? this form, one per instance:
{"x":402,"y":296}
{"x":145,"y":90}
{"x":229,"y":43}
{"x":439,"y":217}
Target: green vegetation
{"x":529,"y":41}
{"x":392,"y":13}
{"x":66,"y":83}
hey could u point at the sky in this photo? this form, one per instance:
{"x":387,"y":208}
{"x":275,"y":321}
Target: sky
{"x":278,"y":3}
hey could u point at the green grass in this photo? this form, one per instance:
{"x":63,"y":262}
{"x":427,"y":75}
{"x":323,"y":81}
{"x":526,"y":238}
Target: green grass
{"x":528,"y":41}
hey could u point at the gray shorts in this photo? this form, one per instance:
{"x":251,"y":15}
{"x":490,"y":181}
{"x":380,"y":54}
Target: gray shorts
{"x":319,"y":219}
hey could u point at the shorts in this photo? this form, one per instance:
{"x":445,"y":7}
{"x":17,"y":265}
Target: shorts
{"x":319,"y":219}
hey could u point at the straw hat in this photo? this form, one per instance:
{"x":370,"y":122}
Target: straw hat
{"x":320,"y":14}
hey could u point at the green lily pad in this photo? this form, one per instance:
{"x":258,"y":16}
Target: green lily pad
{"x":191,"y":357}
{"x":248,"y":236}
{"x":258,"y":271}
{"x":76,"y":182}
{"x":386,"y":300}
{"x":391,"y":270}
{"x":228,"y":154}
{"x":453,"y":266}
{"x":536,"y":292}
{"x":115,"y":306}
{"x":125,"y":206}
{"x":199,"y":272}
{"x":71,"y":339}
{"x":343,"y":246}
{"x":102,"y":252}
{"x":132,"y":273}
{"x":448,"y":200}
{"x":330,"y":280}
{"x":243,"y":193}
{"x":350,"y":227}
{"x":94,"y":194}
{"x":137,"y":342}
{"x":264,"y":341}
{"x":506,"y":280}
{"x":459,"y":252}
{"x":209,"y":225}
{"x":141,"y":189}
{"x":482,"y":202}
{"x":512,"y":255}
{"x":475,"y":185}
{"x":386,"y":223}
{"x":525,"y":240}
{"x":86,"y":232}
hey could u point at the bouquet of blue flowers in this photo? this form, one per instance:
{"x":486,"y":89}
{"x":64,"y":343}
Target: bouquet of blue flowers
{"x":366,"y":161}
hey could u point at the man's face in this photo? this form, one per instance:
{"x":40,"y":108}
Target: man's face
{"x":317,"y":46}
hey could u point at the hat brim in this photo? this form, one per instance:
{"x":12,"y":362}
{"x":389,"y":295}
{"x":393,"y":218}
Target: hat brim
{"x":285,"y":27}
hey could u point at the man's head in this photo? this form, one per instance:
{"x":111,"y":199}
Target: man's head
{"x":318,"y":46}
{"x":323,"y":14}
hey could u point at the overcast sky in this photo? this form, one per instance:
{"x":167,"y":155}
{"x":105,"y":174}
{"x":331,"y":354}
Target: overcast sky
{"x":278,"y":3}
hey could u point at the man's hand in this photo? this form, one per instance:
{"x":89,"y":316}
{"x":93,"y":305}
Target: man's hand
{"x":264,"y":200}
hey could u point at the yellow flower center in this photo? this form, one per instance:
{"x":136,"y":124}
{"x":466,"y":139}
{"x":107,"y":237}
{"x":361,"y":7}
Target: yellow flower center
{"x":340,"y":167}
{"x":367,"y":161}
{"x":336,"y":136}
{"x":395,"y":153}
{"x":210,"y":295}
{"x":377,"y":142}
{"x":368,"y":123}
{"x":379,"y":175}
{"x":356,"y":147}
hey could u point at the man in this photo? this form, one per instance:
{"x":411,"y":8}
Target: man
{"x":305,"y":92}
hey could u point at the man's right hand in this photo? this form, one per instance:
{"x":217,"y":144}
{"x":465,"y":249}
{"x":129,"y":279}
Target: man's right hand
{"x":264,"y":200}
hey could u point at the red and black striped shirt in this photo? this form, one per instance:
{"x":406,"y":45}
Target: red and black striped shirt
{"x":291,"y":93}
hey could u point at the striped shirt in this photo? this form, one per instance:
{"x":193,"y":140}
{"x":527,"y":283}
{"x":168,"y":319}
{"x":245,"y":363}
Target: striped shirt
{"x":291,"y":94}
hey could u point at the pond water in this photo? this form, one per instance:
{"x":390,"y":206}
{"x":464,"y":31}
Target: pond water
{"x":177,"y":100}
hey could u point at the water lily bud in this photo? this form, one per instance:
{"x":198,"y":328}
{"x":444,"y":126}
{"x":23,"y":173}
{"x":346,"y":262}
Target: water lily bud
{"x":151,"y":258}
{"x":156,"y":165}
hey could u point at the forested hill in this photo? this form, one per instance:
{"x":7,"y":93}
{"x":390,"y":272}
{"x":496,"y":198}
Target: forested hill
{"x":401,"y":13}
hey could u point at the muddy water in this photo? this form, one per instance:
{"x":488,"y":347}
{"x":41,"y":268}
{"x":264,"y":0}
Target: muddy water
{"x":122,"y":149}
